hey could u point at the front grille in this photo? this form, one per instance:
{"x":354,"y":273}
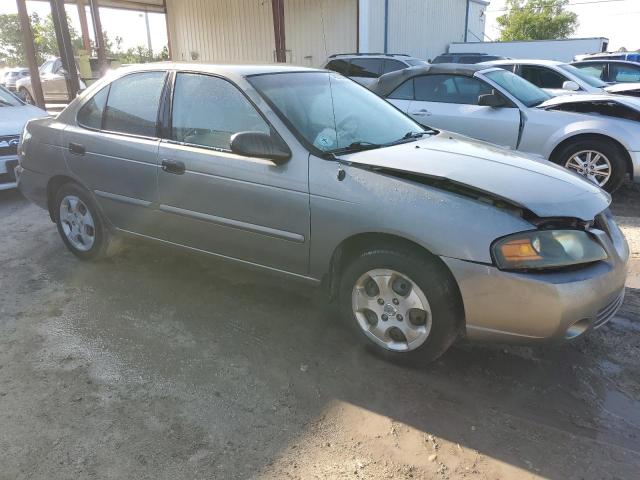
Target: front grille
{"x":9,"y":145}
{"x":609,"y":311}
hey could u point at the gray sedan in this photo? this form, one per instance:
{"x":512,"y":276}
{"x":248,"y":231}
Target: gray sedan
{"x":420,"y":236}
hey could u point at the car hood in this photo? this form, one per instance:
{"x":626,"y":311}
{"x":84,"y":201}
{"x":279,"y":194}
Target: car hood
{"x":575,"y":97}
{"x":545,"y":189}
{"x":622,"y":88}
{"x":12,"y":119}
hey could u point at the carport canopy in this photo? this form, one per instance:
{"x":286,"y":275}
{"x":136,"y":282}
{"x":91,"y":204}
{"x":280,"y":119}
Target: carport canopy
{"x":64,"y":39}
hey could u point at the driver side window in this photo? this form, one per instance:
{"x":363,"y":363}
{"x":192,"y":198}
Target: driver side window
{"x":208,"y":110}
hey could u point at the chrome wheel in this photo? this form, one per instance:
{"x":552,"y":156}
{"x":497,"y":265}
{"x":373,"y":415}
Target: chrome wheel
{"x":391,"y":310}
{"x":77,"y":223}
{"x":591,"y":164}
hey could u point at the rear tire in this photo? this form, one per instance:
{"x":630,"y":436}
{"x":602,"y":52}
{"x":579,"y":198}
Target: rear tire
{"x":403,"y":305}
{"x":80,"y":223}
{"x":592,"y":158}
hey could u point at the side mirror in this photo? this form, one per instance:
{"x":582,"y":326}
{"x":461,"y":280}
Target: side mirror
{"x":261,"y":145}
{"x":570,"y":85}
{"x":62,"y":71}
{"x":493,"y":100}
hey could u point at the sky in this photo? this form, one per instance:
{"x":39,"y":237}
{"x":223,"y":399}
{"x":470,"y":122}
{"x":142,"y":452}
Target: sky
{"x":616,"y":20}
{"x":124,"y":23}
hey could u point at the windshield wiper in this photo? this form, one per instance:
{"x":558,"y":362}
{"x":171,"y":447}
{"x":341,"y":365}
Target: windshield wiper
{"x":356,"y":147}
{"x":410,"y":136}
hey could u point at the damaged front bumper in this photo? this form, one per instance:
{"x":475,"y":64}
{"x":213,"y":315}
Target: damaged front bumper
{"x":542,"y":307}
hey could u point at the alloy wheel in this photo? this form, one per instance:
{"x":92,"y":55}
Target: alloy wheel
{"x":391,"y":310}
{"x":77,"y":223}
{"x":591,"y":164}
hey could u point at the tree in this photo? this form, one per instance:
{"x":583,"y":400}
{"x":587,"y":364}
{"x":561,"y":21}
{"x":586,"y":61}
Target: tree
{"x":44,"y":39}
{"x":537,"y":20}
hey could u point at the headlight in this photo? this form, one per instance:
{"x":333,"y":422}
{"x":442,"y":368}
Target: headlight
{"x":542,"y":249}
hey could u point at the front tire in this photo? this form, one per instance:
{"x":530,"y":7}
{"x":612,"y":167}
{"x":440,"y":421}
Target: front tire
{"x":600,"y":161}
{"x":27,"y":96}
{"x":404,"y":305}
{"x":80,"y":223}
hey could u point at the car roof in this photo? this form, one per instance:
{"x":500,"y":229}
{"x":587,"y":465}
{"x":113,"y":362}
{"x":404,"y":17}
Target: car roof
{"x":546,"y":63}
{"x":606,"y":60}
{"x":386,"y":84}
{"x":243,"y":70}
{"x":467,"y":54}
{"x":373,"y":54}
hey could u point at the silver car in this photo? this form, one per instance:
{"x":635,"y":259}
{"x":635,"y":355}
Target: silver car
{"x":420,"y":236}
{"x":12,"y":76}
{"x":14,"y":114}
{"x":559,"y":78}
{"x":53,"y":79}
{"x":597,"y":136}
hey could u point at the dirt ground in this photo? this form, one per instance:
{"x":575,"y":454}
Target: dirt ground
{"x":163,"y":365}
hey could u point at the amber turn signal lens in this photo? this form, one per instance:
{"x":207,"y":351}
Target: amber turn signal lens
{"x":519,"y":250}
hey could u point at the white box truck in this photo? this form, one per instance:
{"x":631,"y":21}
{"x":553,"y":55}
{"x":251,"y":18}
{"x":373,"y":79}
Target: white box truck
{"x":561,"y":50}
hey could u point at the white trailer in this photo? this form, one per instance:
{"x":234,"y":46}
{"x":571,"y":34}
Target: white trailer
{"x":561,"y":50}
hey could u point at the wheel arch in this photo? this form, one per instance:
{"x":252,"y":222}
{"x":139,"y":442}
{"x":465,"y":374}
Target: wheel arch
{"x":357,"y":243}
{"x":55,"y":183}
{"x":592,"y":136}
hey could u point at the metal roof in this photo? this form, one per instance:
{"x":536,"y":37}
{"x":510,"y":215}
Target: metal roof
{"x":158,"y":6}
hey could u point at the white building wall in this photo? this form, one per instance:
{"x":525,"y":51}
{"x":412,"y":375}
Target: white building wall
{"x":477,"y":18}
{"x":371,"y":23}
{"x":315,"y":29}
{"x":232,"y":31}
{"x":422,"y":28}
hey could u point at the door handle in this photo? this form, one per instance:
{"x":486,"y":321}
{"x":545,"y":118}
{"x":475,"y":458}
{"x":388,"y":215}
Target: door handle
{"x":77,"y":148}
{"x":421,"y":113}
{"x":173,"y":166}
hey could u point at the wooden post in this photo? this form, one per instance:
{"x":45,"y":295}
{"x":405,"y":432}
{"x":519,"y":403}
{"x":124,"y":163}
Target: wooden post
{"x":61,"y":26}
{"x":30,"y":51}
{"x":277,"y":7}
{"x":97,"y":31}
{"x":84,"y":26}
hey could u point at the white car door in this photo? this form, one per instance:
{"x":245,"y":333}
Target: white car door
{"x":450,"y":102}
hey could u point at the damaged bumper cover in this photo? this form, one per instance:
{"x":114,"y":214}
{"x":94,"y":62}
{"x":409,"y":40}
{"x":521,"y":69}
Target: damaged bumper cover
{"x":541,"y":307}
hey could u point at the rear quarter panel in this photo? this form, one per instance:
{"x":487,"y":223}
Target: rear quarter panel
{"x":42,"y":147}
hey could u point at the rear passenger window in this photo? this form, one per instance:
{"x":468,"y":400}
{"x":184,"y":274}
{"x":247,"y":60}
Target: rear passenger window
{"x":542,"y":77}
{"x":366,"y":67}
{"x":403,"y":92}
{"x":210,"y":118}
{"x":469,"y":59}
{"x":449,"y":89}
{"x":624,"y":73}
{"x":392,"y":66}
{"x":340,"y":66}
{"x":90,"y":115}
{"x":132,"y":106}
{"x":593,"y":69}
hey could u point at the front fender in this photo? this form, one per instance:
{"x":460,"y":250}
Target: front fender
{"x":366,"y":201}
{"x":544,"y":130}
